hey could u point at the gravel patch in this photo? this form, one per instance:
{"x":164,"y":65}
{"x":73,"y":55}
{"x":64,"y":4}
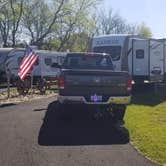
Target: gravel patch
{"x":15,"y":98}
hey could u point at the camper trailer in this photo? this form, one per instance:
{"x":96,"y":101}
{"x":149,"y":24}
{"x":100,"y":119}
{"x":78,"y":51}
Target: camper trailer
{"x":3,"y":55}
{"x":43,"y":68}
{"x":142,"y":57}
{"x":164,"y":40}
{"x":164,"y":43}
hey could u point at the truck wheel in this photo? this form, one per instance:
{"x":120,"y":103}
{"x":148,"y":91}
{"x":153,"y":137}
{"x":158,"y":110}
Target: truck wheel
{"x":118,"y":113}
{"x":101,"y":113}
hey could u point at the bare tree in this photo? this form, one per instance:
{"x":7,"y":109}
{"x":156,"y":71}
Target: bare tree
{"x":10,"y":17}
{"x":17,"y":11}
{"x":39,"y":20}
{"x":108,"y":22}
{"x":5,"y":25}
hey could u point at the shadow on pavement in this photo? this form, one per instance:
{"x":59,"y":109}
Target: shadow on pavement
{"x":80,"y":130}
{"x":7,"y":105}
{"x":145,"y":95}
{"x":41,"y":109}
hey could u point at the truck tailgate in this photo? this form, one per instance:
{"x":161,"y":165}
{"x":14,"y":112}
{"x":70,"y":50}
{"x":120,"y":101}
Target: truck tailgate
{"x":89,"y":82}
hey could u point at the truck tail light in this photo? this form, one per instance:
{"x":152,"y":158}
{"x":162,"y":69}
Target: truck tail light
{"x":61,"y":82}
{"x":129,"y":84}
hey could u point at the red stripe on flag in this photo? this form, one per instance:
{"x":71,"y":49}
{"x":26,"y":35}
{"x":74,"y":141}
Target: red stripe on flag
{"x":27,"y":63}
{"x":28,"y":69}
{"x":24,"y":61}
{"x":25,"y":72}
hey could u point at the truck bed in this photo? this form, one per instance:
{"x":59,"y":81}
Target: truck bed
{"x":88,"y":83}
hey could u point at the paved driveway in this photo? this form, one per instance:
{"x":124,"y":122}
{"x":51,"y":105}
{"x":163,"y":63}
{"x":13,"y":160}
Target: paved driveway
{"x":30,"y":135}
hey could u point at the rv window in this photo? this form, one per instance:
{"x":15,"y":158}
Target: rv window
{"x":19,"y":55}
{"x":114,"y":51}
{"x":48,"y":61}
{"x":140,"y":54}
{"x":3,"y":55}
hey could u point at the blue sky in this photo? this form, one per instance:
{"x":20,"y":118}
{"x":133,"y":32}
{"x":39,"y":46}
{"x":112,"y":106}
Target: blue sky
{"x":151,"y":12}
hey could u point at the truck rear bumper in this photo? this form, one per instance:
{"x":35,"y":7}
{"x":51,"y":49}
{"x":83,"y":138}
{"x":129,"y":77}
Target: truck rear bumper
{"x":81,"y":99}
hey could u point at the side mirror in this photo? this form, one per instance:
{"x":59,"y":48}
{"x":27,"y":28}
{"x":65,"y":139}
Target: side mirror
{"x":56,"y":65}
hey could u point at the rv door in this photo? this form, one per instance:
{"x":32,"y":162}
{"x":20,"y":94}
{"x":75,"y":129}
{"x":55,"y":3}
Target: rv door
{"x":140,"y":60}
{"x":156,"y":60}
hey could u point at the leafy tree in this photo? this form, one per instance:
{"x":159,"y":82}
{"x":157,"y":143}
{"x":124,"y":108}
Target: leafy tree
{"x":39,"y":20}
{"x":144,"y":31}
{"x":76,"y":20}
{"x":60,"y":24}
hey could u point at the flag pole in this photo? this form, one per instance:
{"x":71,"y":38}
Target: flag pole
{"x":32,"y":80}
{"x":26,"y":66}
{"x":31,"y":75}
{"x":7,"y":71}
{"x":8,"y":82}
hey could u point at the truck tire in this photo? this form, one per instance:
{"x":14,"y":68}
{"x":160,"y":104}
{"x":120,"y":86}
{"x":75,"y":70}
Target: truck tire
{"x":119,"y":112}
{"x":100,"y":112}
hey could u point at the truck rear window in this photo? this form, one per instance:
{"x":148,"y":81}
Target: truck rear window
{"x":114,"y":51}
{"x":88,"y":62}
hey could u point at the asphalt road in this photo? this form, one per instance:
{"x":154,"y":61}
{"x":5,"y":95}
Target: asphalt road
{"x":30,"y":135}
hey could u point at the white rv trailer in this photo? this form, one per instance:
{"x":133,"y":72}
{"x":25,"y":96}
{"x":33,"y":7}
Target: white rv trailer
{"x":142,"y":57}
{"x":3,"y":54}
{"x":164,"y":42}
{"x":43,"y":67}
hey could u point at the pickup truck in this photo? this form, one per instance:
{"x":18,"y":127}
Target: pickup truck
{"x":89,"y":78}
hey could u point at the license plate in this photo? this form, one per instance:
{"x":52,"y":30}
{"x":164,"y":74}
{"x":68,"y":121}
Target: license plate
{"x":96,"y":98}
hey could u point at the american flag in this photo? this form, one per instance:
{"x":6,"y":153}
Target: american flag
{"x":27,"y":63}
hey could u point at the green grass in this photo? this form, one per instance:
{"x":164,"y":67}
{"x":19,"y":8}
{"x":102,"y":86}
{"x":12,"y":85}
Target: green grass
{"x":146,"y":121}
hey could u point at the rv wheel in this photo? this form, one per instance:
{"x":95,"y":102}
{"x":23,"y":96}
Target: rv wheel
{"x":118,"y":114}
{"x":42,"y":86}
{"x":23,"y":86}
